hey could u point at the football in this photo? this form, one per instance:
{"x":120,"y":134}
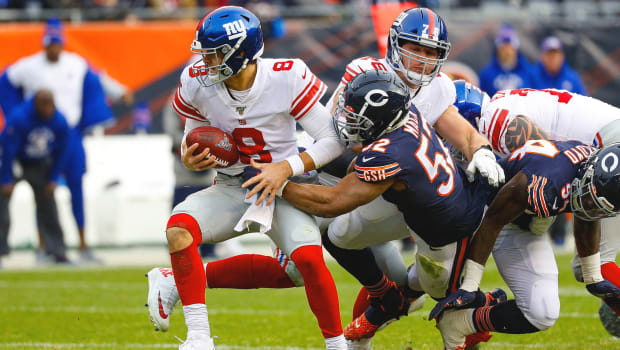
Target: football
{"x":220,"y":144}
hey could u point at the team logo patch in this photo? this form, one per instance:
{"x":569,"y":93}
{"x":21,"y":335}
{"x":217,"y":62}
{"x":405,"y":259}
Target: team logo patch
{"x":235,"y":29}
{"x":225,"y":144}
{"x":240,"y":110}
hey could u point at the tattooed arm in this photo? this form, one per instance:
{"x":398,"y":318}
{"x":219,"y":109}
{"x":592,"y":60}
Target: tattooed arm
{"x":520,"y":130}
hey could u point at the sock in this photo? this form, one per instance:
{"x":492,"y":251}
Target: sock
{"x":611,"y":272}
{"x":504,"y":317}
{"x":189,"y":273}
{"x":320,"y":289}
{"x":336,"y":343}
{"x":359,"y":263}
{"x":197,"y":318}
{"x":379,"y":289}
{"x":361,"y":303}
{"x":246,"y":272}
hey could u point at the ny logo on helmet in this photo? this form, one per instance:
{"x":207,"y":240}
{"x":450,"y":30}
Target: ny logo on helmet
{"x":235,"y":29}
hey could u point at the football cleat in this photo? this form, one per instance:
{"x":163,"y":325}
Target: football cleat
{"x":610,"y":319}
{"x":381,"y":312}
{"x":454,"y":326}
{"x":472,"y":340}
{"x":495,"y":297}
{"x":162,"y":297}
{"x":197,"y":341}
{"x":360,"y":344}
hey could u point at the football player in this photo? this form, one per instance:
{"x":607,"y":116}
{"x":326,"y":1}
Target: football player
{"x":512,"y":117}
{"x":417,"y":48}
{"x":257,"y":101}
{"x":404,"y":161}
{"x":545,"y":178}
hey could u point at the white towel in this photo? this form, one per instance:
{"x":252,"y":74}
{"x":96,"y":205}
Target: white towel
{"x":261,"y":214}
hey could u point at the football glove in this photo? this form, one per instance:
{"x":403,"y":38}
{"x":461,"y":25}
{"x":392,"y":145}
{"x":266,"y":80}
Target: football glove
{"x":483,"y":161}
{"x":457,"y":300}
{"x":606,"y":291}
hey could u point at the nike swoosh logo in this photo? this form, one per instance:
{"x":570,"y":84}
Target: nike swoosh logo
{"x":364,"y":159}
{"x":161,"y":307}
{"x":554,"y":206}
{"x":357,"y":323}
{"x":304,"y":76}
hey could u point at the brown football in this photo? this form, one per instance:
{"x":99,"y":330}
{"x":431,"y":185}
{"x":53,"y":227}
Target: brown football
{"x":220,"y":144}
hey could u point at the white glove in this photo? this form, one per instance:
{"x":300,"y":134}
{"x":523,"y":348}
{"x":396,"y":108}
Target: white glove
{"x":484,"y":162}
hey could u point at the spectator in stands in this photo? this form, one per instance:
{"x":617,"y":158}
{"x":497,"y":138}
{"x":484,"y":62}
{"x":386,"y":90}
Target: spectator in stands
{"x":35,"y":135}
{"x":553,"y":71}
{"x":79,"y":96}
{"x":508,"y":68}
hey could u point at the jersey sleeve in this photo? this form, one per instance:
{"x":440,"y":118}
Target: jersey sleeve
{"x":371,"y":166}
{"x":182,"y":101}
{"x":307,"y":89}
{"x":544,"y":199}
{"x":493,"y":125}
{"x":444,"y":95}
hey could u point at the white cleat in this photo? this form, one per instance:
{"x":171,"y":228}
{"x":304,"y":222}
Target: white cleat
{"x":361,"y":344}
{"x":197,"y":341}
{"x":454,"y":326}
{"x":162,"y":297}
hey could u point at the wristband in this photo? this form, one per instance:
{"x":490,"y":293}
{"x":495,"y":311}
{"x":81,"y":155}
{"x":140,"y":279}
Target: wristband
{"x":281,"y":189}
{"x":472,"y":275}
{"x":591,"y":268}
{"x":297,"y":165}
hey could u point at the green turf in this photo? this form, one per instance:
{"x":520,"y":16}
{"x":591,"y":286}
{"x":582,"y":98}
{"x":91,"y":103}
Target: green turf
{"x":103,"y":309}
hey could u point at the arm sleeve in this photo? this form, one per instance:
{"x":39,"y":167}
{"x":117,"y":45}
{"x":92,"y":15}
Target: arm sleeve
{"x":318,"y":124}
{"x":61,"y":151}
{"x":373,"y":166}
{"x":95,"y":110}
{"x":10,"y":95}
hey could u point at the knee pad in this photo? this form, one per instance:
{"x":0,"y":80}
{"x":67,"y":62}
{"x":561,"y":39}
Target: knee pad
{"x":544,"y":308}
{"x":188,"y":223}
{"x":433,"y":276}
{"x":575,"y":265}
{"x":344,"y":230}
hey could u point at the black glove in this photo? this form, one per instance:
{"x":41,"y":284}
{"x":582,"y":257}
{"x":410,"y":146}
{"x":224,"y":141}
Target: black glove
{"x":457,"y":300}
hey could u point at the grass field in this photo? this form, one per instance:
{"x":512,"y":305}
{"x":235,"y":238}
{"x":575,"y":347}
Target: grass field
{"x":103,"y":309}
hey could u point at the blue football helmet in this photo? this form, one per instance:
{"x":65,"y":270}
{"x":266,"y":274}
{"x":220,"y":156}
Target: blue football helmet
{"x":423,"y":27}
{"x":372,"y":104}
{"x":233,"y":36}
{"x":470,"y":101}
{"x":595,"y":194}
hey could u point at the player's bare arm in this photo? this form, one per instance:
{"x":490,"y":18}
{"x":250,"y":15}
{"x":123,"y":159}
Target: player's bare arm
{"x":325,"y":201}
{"x":459,"y":133}
{"x":509,"y":203}
{"x":197,"y":162}
{"x":587,"y":236}
{"x":521,"y":129}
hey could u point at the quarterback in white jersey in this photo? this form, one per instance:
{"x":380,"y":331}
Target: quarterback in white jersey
{"x":511,"y":118}
{"x":258,"y":101}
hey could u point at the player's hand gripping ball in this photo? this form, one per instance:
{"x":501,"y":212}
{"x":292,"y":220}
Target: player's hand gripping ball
{"x":221,"y":145}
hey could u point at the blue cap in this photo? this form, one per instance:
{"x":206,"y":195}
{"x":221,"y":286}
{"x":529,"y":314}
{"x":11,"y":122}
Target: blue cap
{"x":507,"y":34}
{"x":53,"y":32}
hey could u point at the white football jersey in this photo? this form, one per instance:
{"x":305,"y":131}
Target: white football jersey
{"x":431,"y":100}
{"x":561,"y":114}
{"x":263,"y":124}
{"x":65,"y":78}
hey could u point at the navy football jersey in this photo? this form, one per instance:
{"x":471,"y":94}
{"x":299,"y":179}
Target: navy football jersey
{"x":438,"y":204}
{"x":550,"y":167}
